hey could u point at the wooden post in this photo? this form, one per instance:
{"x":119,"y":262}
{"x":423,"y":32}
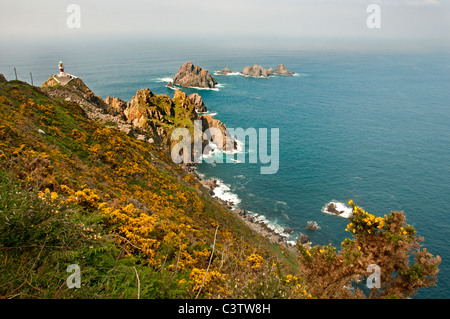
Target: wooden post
{"x":31,"y":75}
{"x":15,"y":73}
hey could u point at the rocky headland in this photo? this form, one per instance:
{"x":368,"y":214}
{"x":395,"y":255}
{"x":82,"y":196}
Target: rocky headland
{"x":148,"y":116}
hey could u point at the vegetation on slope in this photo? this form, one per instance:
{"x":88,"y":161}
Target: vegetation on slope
{"x":75,"y":192}
{"x":121,"y":205}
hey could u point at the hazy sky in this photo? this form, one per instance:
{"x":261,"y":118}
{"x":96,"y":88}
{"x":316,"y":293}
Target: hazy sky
{"x":417,"y":20}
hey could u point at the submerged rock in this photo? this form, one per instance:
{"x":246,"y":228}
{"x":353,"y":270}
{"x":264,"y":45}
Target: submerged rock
{"x":331,"y":208}
{"x":224,"y":71}
{"x":312,"y":225}
{"x":303,"y":239}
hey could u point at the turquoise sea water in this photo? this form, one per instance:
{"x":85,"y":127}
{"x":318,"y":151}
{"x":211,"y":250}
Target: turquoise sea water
{"x":367,"y":126}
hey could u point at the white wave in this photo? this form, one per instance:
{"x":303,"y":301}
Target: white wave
{"x":231,"y":73}
{"x":272,"y":225}
{"x":346,"y":211}
{"x":207,"y":113}
{"x":256,"y":77}
{"x":224,"y":192}
{"x":164,"y":80}
{"x":199,"y":88}
{"x":214,"y":151}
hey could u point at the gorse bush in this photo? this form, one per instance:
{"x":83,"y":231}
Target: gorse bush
{"x":387,"y":242}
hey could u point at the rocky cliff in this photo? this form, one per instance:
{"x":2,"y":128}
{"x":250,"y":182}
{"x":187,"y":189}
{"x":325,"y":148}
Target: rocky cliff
{"x":223,"y":142}
{"x":148,"y":116}
{"x":198,"y":103}
{"x":3,"y":79}
{"x":159,"y":115}
{"x":115,"y":106}
{"x":191,"y":75}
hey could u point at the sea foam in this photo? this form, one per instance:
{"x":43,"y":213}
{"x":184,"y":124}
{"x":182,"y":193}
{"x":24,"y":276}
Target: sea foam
{"x":347,"y":211}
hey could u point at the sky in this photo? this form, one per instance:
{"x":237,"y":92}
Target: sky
{"x":419,"y":21}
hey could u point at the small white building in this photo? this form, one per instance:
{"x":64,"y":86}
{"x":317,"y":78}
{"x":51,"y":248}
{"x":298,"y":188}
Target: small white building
{"x":63,"y":78}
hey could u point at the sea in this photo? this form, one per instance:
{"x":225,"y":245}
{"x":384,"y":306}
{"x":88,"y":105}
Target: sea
{"x":368,"y":125}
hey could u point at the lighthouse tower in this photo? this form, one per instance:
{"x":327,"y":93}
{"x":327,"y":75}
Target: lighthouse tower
{"x":61,"y":68}
{"x":63,"y":78}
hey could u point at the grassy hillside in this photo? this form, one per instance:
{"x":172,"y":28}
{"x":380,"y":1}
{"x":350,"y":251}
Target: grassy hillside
{"x":75,"y":192}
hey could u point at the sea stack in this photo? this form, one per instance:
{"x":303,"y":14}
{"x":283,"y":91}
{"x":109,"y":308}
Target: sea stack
{"x":282,"y":70}
{"x":257,"y":71}
{"x":224,"y":71}
{"x":190,"y":75}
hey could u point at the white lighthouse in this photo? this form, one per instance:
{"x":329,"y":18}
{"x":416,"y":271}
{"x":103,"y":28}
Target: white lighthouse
{"x":61,"y":68}
{"x":63,"y":78}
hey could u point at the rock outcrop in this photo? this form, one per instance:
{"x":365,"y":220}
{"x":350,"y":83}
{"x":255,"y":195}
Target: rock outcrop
{"x":104,"y":111}
{"x":221,"y":140}
{"x":303,"y":239}
{"x":312,"y":225}
{"x":115,"y":106}
{"x":332,"y":208}
{"x":224,"y":71}
{"x":257,"y":71}
{"x":282,"y":70}
{"x":198,"y":103}
{"x":152,"y":114}
{"x":159,"y":114}
{"x":191,"y":75}
{"x":3,"y":79}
